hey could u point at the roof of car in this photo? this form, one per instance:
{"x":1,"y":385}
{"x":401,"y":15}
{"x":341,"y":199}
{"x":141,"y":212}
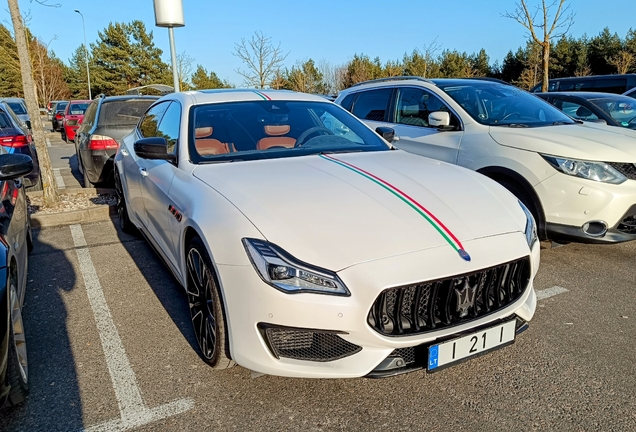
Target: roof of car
{"x":12,"y":99}
{"x":125,"y":97}
{"x":582,"y":95}
{"x":236,"y":95}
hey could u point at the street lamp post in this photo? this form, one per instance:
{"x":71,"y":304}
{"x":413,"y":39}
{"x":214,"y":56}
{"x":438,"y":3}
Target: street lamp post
{"x":88,"y":73}
{"x":169,"y":13}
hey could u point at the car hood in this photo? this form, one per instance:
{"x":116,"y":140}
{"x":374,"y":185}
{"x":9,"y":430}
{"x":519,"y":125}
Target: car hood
{"x":577,"y":141}
{"x":339,"y":210}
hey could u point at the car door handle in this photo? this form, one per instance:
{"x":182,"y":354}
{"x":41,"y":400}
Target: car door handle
{"x":124,"y":152}
{"x":143,"y":172}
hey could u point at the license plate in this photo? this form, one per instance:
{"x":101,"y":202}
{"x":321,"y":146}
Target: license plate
{"x":453,"y":351}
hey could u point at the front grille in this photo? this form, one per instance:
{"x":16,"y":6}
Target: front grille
{"x":627,"y":169}
{"x":439,"y":304}
{"x":306,"y":344}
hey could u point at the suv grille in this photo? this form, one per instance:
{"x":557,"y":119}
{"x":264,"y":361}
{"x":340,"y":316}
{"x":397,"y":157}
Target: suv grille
{"x":627,"y":169}
{"x":434,"y":305}
{"x":306,"y":344}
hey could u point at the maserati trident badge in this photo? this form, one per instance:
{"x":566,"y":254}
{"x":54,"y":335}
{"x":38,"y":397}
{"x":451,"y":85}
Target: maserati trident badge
{"x":465,"y":298}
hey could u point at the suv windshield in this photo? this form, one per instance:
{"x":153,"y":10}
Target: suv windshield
{"x":620,"y":108}
{"x":274,"y":129}
{"x":495,"y":104}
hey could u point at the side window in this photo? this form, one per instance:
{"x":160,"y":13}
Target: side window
{"x":415,"y":104}
{"x":575,"y":110}
{"x":150,"y":121}
{"x":346,"y":102}
{"x":169,"y":126}
{"x":611,"y":85}
{"x":89,"y":117}
{"x":372,"y":104}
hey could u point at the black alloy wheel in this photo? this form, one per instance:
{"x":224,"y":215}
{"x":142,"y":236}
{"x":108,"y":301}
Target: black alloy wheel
{"x":18,"y":366}
{"x":205,"y":307}
{"x":122,"y":209}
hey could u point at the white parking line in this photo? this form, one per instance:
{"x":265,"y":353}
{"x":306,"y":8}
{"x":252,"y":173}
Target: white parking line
{"x":550,"y":292}
{"x":134,"y":412}
{"x":48,"y":142}
{"x":58,"y":178}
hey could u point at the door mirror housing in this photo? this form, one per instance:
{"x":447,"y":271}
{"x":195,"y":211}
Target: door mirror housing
{"x":13,"y":166}
{"x":155,"y":148}
{"x":439,"y":119}
{"x":386,"y":132}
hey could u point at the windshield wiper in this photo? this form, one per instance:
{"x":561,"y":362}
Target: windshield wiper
{"x":556,"y":123}
{"x":517,"y":125}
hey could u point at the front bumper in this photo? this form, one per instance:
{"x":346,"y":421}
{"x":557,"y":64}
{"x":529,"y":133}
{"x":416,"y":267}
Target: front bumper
{"x":572,"y":203}
{"x":251,"y":304}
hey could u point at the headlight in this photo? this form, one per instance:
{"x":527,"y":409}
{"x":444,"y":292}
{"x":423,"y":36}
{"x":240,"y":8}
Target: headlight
{"x":531,"y":226}
{"x":286,"y":273}
{"x":597,"y":171}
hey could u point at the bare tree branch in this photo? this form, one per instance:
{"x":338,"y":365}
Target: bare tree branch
{"x":262,"y":58}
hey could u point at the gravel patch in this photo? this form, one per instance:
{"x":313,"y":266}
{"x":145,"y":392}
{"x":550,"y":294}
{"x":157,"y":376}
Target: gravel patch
{"x":71,"y":202}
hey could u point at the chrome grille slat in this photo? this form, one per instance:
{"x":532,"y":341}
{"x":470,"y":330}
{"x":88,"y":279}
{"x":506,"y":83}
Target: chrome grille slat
{"x":433,"y":305}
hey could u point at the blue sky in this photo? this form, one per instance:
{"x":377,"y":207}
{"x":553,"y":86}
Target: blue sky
{"x":333,"y":30}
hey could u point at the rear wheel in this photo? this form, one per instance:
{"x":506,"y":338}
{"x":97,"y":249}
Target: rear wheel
{"x":18,"y":366}
{"x":206,"y":310}
{"x":63,"y":134}
{"x":38,"y":186}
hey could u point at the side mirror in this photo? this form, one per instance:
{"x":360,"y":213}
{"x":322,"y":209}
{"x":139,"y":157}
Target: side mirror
{"x":386,"y":132}
{"x":13,"y":166}
{"x":154,"y":148}
{"x":439,"y":119}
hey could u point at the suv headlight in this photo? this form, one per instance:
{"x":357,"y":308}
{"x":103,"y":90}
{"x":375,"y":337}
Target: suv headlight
{"x":597,"y":171}
{"x":287,"y":274}
{"x":531,"y":226}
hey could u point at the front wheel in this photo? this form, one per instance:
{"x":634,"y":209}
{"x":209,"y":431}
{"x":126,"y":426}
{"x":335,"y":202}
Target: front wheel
{"x":18,"y":366}
{"x":206,"y":310}
{"x":122,"y":208}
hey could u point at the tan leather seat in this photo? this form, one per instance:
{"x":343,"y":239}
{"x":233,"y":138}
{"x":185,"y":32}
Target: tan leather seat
{"x":275,"y":138}
{"x":209,"y":146}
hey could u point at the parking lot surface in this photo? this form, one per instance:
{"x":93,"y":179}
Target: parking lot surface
{"x":111,"y":348}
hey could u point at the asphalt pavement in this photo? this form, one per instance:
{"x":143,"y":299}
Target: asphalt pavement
{"x":111,"y":348}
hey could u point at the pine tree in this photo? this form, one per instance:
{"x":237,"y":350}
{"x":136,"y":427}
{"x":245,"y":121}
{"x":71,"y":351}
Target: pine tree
{"x":201,"y":79}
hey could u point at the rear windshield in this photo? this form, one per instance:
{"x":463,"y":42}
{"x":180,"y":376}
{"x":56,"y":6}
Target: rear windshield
{"x":77,"y":108}
{"x":61,"y":106}
{"x":123,"y":112}
{"x":17,"y":107}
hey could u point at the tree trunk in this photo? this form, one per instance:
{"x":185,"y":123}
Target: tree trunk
{"x":546,"y":64}
{"x":46,"y":172}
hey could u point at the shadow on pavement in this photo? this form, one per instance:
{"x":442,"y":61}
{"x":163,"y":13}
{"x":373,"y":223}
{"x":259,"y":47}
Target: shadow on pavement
{"x":54,"y":402}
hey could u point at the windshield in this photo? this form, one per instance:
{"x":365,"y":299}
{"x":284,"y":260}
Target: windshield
{"x":78,"y":108}
{"x":60,"y":106}
{"x":274,"y":129}
{"x":620,"y":108}
{"x":17,"y":107}
{"x":495,"y":104}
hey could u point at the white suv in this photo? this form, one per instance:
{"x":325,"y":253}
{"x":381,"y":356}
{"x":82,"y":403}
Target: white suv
{"x":579,"y":181}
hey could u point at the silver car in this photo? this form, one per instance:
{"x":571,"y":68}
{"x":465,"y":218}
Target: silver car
{"x":19,"y":108}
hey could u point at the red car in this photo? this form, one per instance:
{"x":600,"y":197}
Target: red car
{"x":73,"y":117}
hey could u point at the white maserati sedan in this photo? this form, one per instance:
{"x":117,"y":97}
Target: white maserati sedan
{"x":309,"y":247}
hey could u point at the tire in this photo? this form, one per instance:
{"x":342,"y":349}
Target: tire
{"x":122,"y":208}
{"x":206,"y":310}
{"x":29,"y":234}
{"x":17,"y":367}
{"x":87,"y":182}
{"x":525,"y":198}
{"x":63,"y":136}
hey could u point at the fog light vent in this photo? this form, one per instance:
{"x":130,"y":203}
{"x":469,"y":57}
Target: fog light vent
{"x":306,"y":344}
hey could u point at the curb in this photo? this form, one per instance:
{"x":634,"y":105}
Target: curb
{"x":94,"y":214}
{"x":72,"y":191}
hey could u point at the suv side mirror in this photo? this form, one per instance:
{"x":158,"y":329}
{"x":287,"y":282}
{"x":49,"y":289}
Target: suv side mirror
{"x":439,"y":119}
{"x":386,"y":132}
{"x":15,"y":165}
{"x":154,"y":148}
